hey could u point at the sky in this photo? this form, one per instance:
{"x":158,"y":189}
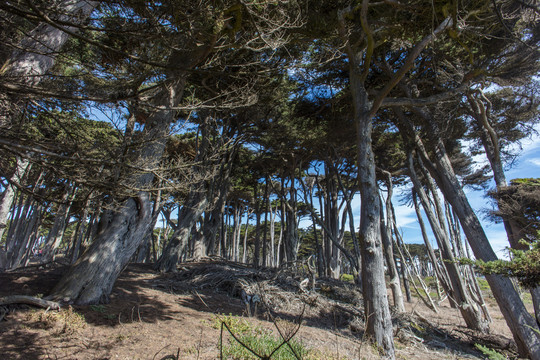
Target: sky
{"x":526,"y":166}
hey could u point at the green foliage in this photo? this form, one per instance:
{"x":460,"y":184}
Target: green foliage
{"x":259,"y":340}
{"x":262,"y":343}
{"x":490,"y":353}
{"x":525,"y":266}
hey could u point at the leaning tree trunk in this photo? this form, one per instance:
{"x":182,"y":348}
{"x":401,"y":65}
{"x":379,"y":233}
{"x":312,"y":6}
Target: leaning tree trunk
{"x":91,"y":278}
{"x":27,"y":66}
{"x":490,"y":141}
{"x":458,"y":292}
{"x":524,"y":328}
{"x":188,"y":216}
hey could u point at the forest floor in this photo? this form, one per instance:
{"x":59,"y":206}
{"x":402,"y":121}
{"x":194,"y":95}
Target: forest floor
{"x":152,"y":315}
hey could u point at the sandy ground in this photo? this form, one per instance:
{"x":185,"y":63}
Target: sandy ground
{"x":152,"y":315}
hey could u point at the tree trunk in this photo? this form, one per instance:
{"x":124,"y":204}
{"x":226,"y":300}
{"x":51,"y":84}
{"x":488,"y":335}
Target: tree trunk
{"x":386,"y":232}
{"x":490,"y":141}
{"x":378,"y":320}
{"x":265,"y":230}
{"x":524,"y":328}
{"x":187,"y":217}
{"x":56,"y":233}
{"x":458,"y":292}
{"x":9,"y":193}
{"x":91,"y":278}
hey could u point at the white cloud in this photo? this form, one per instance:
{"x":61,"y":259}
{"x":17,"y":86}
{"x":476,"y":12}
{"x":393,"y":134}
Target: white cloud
{"x":405,"y":216}
{"x":534,"y":161}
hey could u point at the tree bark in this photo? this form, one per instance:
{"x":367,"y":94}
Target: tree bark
{"x":187,"y":217}
{"x":524,"y":328}
{"x":490,"y":142}
{"x":56,"y":233}
{"x":386,"y":232}
{"x":9,"y":193}
{"x":458,"y":292}
{"x":91,"y":278}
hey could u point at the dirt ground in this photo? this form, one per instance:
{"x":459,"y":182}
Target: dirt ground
{"x":152,"y":315}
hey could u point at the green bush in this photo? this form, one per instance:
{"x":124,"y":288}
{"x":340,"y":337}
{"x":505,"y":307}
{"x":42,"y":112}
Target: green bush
{"x":490,"y":353}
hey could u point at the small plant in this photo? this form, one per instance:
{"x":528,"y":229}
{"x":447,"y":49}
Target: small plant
{"x":254,"y":342}
{"x":236,"y":324}
{"x":102,"y":309}
{"x":98,"y":308}
{"x":263,"y":344}
{"x":490,"y":353}
{"x":70,"y":320}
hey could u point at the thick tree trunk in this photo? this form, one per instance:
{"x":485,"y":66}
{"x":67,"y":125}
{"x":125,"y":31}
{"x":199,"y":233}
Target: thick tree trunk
{"x":378,"y":320}
{"x":91,"y":278}
{"x":187,"y":217}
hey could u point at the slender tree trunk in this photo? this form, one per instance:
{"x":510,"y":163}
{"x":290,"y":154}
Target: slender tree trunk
{"x":524,"y":328}
{"x":257,"y":250}
{"x":79,"y":234}
{"x":490,"y":141}
{"x":386,"y":232}
{"x":56,"y":233}
{"x":265,"y":231}
{"x":24,"y":233}
{"x":9,"y":193}
{"x":273,"y":256}
{"x":440,"y":271}
{"x":473,"y":315}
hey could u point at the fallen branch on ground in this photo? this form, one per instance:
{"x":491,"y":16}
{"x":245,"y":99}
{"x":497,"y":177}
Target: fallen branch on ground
{"x":29,"y":300}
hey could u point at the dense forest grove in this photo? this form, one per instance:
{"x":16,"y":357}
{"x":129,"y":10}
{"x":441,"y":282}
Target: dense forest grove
{"x":162,"y":132}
